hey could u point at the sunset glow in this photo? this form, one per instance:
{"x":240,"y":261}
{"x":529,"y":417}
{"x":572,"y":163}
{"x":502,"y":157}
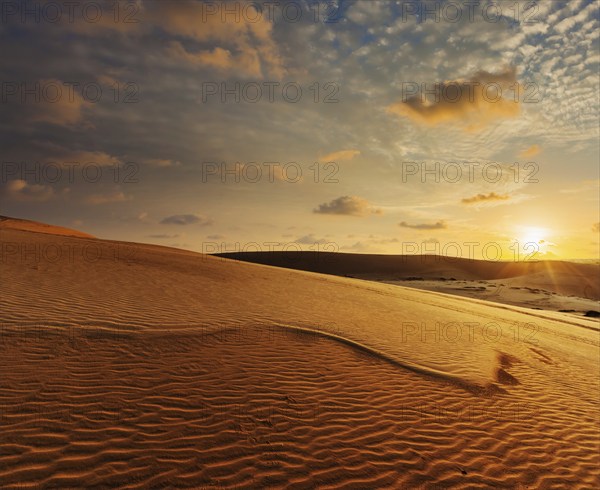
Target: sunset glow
{"x":300,"y":244}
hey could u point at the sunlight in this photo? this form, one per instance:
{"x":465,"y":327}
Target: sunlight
{"x":533,"y":235}
{"x":531,"y":243}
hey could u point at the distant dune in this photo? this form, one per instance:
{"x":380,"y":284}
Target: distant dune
{"x":7,"y":223}
{"x":568,"y":278}
{"x":135,"y":366}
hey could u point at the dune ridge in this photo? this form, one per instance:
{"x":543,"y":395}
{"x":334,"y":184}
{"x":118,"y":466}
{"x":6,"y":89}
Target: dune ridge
{"x":571,"y":278}
{"x":142,"y":366}
{"x":7,"y":223}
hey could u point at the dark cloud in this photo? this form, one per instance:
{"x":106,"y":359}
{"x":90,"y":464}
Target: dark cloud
{"x":440,"y":225}
{"x":185,"y":219}
{"x":349,"y":206}
{"x":311,"y":240}
{"x":21,"y":190}
{"x":107,"y":198}
{"x":477,"y":100}
{"x":492,"y":196}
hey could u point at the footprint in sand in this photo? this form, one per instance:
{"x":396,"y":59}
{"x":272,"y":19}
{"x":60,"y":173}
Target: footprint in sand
{"x":505,"y":361}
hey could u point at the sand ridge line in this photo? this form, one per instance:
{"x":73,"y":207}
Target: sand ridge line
{"x":471,"y":387}
{"x":518,"y":309}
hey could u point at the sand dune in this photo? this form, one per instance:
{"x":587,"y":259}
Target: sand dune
{"x":580,"y":280}
{"x":136,"y":366}
{"x":7,"y":223}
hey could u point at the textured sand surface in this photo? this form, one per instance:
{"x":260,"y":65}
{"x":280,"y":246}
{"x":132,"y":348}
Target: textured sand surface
{"x":572,"y":285}
{"x":33,"y":226}
{"x":136,"y":366}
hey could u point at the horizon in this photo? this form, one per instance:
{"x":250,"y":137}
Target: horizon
{"x":249,"y":251}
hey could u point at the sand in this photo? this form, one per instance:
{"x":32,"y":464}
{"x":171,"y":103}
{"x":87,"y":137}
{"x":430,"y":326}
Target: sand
{"x":548,"y":285}
{"x":137,"y":366}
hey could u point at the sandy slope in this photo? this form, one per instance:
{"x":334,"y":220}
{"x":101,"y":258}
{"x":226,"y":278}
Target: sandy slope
{"x":140,"y":366}
{"x":518,"y":291}
{"x":515,"y":283}
{"x":7,"y":223}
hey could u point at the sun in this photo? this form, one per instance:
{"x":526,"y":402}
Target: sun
{"x":531,"y":243}
{"x":533,"y":235}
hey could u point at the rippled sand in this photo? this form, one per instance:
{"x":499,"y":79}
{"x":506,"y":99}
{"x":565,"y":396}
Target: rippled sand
{"x":137,"y":366}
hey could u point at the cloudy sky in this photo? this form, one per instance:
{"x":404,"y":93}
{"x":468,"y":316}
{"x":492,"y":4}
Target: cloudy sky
{"x":464,"y":128}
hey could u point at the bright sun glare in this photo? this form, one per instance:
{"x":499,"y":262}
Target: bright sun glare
{"x":532,"y":242}
{"x":532,"y":235}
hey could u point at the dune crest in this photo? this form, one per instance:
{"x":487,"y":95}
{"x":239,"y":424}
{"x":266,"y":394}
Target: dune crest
{"x":7,"y":223}
{"x":569,"y":278}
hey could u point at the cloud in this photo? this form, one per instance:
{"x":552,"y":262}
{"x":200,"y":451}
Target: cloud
{"x":348,"y":205}
{"x":311,"y":240}
{"x":244,"y":46}
{"x":596,"y":227}
{"x":162,"y":162}
{"x":440,"y":225}
{"x":474,"y":102}
{"x":568,"y":23}
{"x":215,"y":237}
{"x":58,"y":106}
{"x":186,"y":219}
{"x":163,"y":235}
{"x":20,"y":190}
{"x":253,"y":172}
{"x":107,"y":198}
{"x":532,"y":151}
{"x":338,"y":156}
{"x":61,"y":155}
{"x":101,"y":19}
{"x":100,"y":158}
{"x":218,"y":58}
{"x":491,"y":197}
{"x":586,"y":186}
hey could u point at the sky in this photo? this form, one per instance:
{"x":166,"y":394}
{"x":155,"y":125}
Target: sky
{"x":461,"y":128}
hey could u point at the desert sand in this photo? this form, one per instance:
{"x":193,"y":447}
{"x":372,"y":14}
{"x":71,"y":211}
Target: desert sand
{"x":546,"y":285}
{"x":137,"y":366}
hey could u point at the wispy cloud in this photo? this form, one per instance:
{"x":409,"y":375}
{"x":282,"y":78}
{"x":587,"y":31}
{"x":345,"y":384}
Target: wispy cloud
{"x":20,"y":190}
{"x":338,"y":156}
{"x":164,"y":236}
{"x":485,"y":198}
{"x":349,"y":206}
{"x":107,"y":198}
{"x":530,"y":152}
{"x":186,"y":219}
{"x":310,"y":240}
{"x":440,"y":225}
